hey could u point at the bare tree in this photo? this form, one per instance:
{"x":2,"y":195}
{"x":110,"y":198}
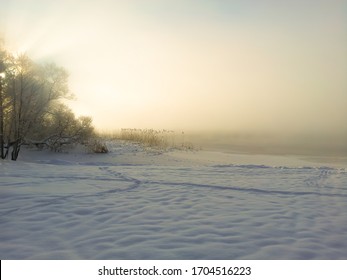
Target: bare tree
{"x":61,"y":128}
{"x":2,"y":76}
{"x":1,"y":113}
{"x":31,"y":108}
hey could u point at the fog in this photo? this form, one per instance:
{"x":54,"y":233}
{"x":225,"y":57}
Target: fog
{"x":323,"y":147}
{"x":266,"y":72}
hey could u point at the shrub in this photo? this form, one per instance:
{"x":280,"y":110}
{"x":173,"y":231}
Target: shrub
{"x":96,"y":146}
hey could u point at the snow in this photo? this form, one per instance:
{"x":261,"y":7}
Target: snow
{"x":135,"y":203}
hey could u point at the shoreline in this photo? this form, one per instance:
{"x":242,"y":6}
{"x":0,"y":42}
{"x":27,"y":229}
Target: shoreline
{"x":123,"y":152}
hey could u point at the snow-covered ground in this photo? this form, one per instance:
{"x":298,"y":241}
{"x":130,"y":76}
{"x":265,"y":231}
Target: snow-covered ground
{"x":137,"y":204}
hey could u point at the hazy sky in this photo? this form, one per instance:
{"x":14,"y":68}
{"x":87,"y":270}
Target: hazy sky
{"x":193,"y":64}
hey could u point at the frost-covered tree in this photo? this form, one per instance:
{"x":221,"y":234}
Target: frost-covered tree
{"x":60,"y":127}
{"x":31,"y":106}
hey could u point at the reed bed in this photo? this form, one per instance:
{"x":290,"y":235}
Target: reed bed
{"x":151,"y":138}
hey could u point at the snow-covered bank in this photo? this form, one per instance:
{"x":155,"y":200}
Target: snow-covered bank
{"x":137,"y":204}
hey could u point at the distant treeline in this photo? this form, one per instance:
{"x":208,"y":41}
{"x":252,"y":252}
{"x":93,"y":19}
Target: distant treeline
{"x":32,"y":109}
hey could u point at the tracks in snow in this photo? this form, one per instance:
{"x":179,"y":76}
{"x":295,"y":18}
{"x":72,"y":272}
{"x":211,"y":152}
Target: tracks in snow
{"x":115,"y":180}
{"x":315,"y":181}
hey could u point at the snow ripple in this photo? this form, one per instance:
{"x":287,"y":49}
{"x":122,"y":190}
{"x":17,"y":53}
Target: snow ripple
{"x":52,"y":210}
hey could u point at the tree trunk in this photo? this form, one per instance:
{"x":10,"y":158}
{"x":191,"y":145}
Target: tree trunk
{"x":2,"y":149}
{"x":15,"y":149}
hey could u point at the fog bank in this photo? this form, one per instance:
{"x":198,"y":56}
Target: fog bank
{"x":265,"y":67}
{"x":270,"y":143}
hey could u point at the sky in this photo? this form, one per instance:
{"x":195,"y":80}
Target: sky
{"x":262,"y":65}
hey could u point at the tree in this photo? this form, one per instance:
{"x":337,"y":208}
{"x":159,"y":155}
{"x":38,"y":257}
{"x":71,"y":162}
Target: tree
{"x":32,"y":109}
{"x":1,"y":114}
{"x":60,"y":127}
{"x":2,"y":76}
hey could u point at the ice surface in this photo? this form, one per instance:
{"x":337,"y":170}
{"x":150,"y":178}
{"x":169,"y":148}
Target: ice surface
{"x":137,"y":204}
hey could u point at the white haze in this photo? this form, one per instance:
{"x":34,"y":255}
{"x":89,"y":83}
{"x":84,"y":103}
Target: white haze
{"x":256,"y":67}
